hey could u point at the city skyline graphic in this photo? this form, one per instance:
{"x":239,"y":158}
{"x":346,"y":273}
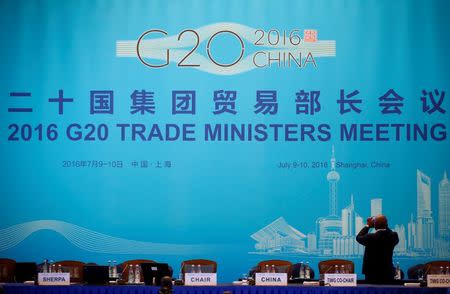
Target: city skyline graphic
{"x":335,"y":234}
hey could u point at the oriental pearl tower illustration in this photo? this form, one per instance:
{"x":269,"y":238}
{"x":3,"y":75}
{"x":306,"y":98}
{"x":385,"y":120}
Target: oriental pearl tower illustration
{"x":333,"y":178}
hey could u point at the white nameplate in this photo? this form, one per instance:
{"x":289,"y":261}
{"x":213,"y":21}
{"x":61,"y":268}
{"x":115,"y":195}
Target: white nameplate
{"x":200,"y":279}
{"x":56,"y":279}
{"x":344,"y":280}
{"x":271,"y":279}
{"x":438,"y":281}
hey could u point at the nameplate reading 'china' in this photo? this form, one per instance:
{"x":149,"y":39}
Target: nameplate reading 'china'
{"x":434,"y":281}
{"x":344,"y":280}
{"x":54,"y":279}
{"x":200,"y":279}
{"x":271,"y":279}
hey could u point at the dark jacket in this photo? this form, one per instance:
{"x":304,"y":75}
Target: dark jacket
{"x":377,"y":263}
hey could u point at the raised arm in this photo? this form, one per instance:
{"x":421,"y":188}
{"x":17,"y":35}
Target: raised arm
{"x":363,"y":236}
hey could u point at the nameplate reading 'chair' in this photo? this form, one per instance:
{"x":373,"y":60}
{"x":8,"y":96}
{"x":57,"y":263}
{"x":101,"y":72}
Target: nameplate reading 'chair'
{"x":280,"y":266}
{"x":192,"y":265}
{"x":124,"y":267}
{"x":74,"y":267}
{"x":332,"y":266}
{"x":7,"y":267}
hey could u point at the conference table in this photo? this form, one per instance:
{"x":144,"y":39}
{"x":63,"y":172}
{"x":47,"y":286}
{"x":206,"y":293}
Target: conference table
{"x":220,"y":289}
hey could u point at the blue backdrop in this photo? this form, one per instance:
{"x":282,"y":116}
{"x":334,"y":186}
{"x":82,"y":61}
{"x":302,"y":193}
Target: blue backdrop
{"x":235,"y":201}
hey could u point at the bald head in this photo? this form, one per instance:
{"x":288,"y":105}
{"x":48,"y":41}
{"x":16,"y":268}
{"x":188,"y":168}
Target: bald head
{"x":381,"y":222}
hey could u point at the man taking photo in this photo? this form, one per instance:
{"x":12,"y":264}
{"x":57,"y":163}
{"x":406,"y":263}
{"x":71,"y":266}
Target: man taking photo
{"x":379,"y":248}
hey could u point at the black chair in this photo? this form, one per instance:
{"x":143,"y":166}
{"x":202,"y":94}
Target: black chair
{"x":124,"y":268}
{"x":295,"y":271}
{"x":413,"y":272}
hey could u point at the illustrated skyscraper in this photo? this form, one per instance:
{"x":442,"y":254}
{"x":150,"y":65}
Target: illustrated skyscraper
{"x":425,"y":222}
{"x":348,"y":219}
{"x":330,"y":227}
{"x":401,"y":246}
{"x":444,"y":208}
{"x":412,"y":233}
{"x":351,"y":222}
{"x":376,"y":206}
{"x":333,"y":178}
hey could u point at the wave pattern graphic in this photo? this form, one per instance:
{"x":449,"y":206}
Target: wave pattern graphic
{"x":156,"y":48}
{"x":93,"y":241}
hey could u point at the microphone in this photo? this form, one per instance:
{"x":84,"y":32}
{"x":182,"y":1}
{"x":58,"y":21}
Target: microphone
{"x":124,"y":269}
{"x":427,"y":270}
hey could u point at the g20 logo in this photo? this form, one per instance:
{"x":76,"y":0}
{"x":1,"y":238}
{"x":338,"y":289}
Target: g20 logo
{"x":183,"y":61}
{"x":280,"y":48}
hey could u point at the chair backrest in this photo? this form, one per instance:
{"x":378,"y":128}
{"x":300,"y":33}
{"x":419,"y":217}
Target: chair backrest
{"x":124,"y":268}
{"x":413,"y":272}
{"x":435,"y":267}
{"x":7,"y":267}
{"x":295,"y":270}
{"x":206,"y":266}
{"x":74,"y":267}
{"x":280,"y":266}
{"x":330,"y":266}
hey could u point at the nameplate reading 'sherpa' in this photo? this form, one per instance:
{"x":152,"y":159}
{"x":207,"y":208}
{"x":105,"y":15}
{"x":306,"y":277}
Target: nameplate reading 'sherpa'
{"x":54,"y":279}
